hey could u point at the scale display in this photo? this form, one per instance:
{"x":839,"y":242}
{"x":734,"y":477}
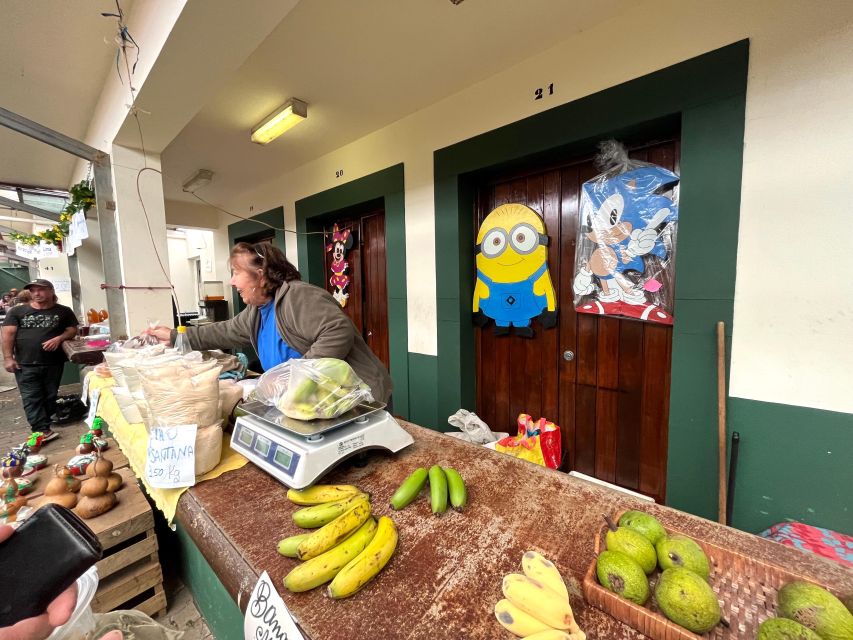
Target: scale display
{"x":256,"y":445}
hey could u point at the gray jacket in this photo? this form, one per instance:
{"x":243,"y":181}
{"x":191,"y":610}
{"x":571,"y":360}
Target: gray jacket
{"x":309,"y":320}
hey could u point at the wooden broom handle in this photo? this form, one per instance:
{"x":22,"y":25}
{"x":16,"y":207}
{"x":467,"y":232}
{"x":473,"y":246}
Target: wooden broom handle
{"x":721,"y":420}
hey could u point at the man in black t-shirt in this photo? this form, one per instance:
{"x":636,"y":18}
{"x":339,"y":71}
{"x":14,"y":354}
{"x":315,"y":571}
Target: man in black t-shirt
{"x":32,"y":347}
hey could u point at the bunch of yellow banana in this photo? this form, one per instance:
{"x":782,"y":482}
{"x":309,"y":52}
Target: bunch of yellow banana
{"x":536,"y":603}
{"x":349,"y":547}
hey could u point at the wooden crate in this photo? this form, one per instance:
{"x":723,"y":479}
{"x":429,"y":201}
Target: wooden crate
{"x":130,"y":573}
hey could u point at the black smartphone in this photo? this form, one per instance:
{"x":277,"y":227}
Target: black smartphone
{"x":46,"y":554}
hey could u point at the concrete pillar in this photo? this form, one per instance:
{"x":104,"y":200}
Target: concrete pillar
{"x":90,"y":265}
{"x":139,"y":245}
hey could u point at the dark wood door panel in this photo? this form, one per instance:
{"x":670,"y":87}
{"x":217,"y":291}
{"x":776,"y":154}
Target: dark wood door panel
{"x":610,"y":395}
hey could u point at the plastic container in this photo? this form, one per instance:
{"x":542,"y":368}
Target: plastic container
{"x":82,"y":620}
{"x":182,"y":343}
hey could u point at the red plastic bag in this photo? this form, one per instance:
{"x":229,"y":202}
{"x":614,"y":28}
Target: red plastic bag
{"x":538,"y":442}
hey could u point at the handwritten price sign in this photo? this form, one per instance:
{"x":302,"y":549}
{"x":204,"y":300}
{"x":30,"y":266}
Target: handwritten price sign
{"x":267,"y":617}
{"x":171,"y":457}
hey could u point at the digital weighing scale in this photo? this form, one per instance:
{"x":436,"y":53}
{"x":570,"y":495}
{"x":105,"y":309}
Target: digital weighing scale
{"x":298,"y":452}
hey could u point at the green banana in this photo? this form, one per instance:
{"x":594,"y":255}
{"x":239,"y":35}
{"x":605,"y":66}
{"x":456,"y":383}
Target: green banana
{"x":410,"y":489}
{"x":320,"y":493}
{"x":437,"y":489}
{"x":368,"y":563}
{"x":287,"y":547}
{"x":319,"y":570}
{"x":322,"y":514}
{"x":333,"y":533}
{"x":456,"y":489}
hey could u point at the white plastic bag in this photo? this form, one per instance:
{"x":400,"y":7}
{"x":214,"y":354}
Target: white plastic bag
{"x":312,"y":389}
{"x":176,"y":395}
{"x":472,"y":428}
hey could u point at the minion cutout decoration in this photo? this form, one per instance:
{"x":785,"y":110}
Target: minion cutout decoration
{"x":513,"y":283}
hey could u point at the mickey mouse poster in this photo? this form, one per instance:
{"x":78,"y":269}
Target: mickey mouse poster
{"x":624,"y":261}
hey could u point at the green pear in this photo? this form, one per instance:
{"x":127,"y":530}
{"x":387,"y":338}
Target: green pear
{"x":817,"y":609}
{"x":643,"y":523}
{"x":685,"y":598}
{"x":634,"y":545}
{"x":784,"y":629}
{"x":621,"y":575}
{"x":681,"y":551}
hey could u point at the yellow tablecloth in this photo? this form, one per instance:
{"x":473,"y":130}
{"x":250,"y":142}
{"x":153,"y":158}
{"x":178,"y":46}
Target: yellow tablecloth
{"x":133,"y":441}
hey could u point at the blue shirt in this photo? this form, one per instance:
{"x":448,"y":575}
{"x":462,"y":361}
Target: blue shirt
{"x":272,"y":349}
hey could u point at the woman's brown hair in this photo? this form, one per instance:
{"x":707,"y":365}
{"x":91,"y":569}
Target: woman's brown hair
{"x":264,"y":256}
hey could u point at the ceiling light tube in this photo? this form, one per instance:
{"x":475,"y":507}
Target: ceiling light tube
{"x":289,"y":114}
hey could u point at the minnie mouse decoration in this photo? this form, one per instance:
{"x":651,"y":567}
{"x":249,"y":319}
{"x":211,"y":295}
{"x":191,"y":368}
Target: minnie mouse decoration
{"x":341,"y":243}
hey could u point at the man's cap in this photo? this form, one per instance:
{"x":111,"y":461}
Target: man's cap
{"x":39,"y":282}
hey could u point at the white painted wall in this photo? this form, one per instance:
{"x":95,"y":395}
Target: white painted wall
{"x":181,"y":272}
{"x":793,"y":333}
{"x":142,"y":250}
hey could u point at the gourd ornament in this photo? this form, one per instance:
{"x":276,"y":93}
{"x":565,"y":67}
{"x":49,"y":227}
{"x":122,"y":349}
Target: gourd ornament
{"x":12,"y":466}
{"x":96,"y":497}
{"x":61,"y":488}
{"x":35,"y":441}
{"x":12,"y":502}
{"x":90,"y":441}
{"x":103,"y":466}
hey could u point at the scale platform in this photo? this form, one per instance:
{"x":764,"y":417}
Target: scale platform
{"x":299,"y":452}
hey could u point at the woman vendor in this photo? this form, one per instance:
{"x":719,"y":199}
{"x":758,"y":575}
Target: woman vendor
{"x":286,"y":318}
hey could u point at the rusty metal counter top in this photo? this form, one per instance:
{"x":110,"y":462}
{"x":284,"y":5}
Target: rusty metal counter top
{"x":446,"y":575}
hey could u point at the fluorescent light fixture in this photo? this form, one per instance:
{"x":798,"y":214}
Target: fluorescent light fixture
{"x":199,"y":179}
{"x":286,"y":116}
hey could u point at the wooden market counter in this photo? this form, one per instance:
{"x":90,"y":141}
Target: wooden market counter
{"x":446,"y":575}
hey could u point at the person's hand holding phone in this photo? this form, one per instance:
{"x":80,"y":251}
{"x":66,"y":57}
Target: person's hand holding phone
{"x":39,"y":627}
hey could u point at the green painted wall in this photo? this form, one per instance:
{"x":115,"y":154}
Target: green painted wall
{"x":221,"y":613}
{"x":15,"y":277}
{"x":385,"y":188}
{"x":795,"y":463}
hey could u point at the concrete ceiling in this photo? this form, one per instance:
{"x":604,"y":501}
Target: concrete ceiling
{"x":360,"y":66}
{"x":53,"y":62}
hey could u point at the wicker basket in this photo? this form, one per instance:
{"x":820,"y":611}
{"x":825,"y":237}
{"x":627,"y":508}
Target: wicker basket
{"x":746,"y":589}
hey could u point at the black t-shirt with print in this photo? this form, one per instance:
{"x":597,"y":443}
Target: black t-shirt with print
{"x":34,"y":327}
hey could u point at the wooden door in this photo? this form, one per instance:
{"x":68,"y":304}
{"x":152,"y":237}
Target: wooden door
{"x":611,"y":399}
{"x":367,"y":305}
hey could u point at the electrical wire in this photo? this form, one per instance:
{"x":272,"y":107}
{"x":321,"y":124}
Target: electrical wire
{"x":135,"y":112}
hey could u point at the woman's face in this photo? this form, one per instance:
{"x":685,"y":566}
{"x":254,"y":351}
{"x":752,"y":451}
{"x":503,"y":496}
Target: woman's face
{"x":248,"y":280}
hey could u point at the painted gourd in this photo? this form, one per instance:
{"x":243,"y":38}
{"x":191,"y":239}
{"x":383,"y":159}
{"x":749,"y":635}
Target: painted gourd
{"x":12,"y":502}
{"x":60,"y":489}
{"x":96,"y":497}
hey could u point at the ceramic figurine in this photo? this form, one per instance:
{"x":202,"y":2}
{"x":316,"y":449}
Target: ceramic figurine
{"x":12,"y":502}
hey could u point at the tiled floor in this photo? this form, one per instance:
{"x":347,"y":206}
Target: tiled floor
{"x":182,"y":613}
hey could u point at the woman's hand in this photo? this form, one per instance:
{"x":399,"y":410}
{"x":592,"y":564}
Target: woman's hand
{"x":57,"y":614}
{"x":163,"y":334}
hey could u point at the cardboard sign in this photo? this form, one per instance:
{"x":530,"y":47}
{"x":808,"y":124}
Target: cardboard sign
{"x":93,"y":408}
{"x":267,"y":617}
{"x":171,"y":457}
{"x":84,"y":395}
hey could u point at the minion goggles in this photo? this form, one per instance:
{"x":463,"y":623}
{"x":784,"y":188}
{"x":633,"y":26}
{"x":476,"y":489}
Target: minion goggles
{"x":523,"y":238}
